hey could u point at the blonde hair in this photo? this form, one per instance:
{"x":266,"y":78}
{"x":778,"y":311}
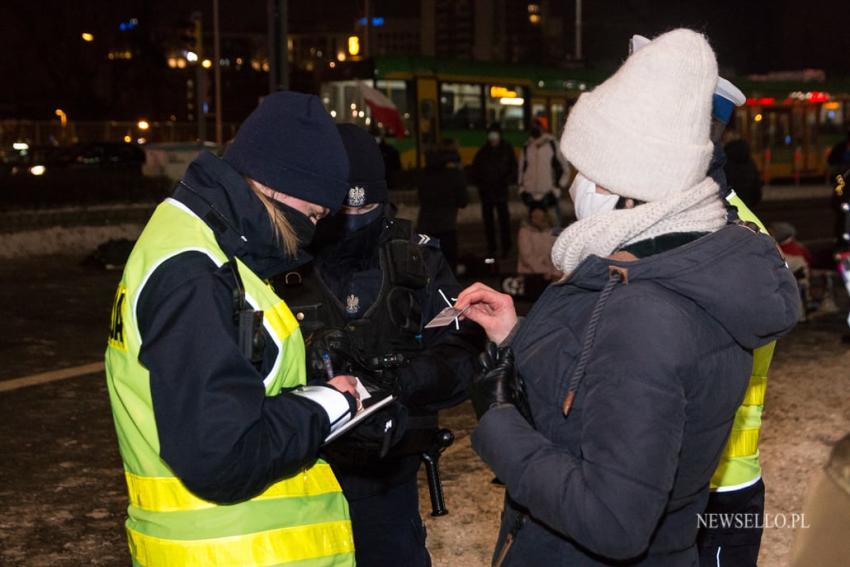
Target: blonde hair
{"x":283,"y":231}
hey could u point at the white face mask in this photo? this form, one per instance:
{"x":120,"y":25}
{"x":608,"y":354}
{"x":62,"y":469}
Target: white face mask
{"x":587,"y":201}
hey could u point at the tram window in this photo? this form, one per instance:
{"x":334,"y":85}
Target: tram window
{"x":401,"y":96}
{"x":559,"y":117}
{"x":460,"y":106}
{"x":538,"y":110}
{"x":338,"y":98}
{"x":344,"y":101}
{"x":506,"y":105}
{"x":832,"y":117}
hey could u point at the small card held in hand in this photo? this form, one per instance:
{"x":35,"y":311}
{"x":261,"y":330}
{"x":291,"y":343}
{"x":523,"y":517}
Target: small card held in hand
{"x":445,"y":317}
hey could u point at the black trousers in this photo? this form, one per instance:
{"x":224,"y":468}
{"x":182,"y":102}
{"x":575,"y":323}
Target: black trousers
{"x":388,"y":531}
{"x":488,"y":208}
{"x":733,"y":546}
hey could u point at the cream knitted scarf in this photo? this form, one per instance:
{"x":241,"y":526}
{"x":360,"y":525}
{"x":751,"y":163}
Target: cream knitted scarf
{"x":697,"y":209}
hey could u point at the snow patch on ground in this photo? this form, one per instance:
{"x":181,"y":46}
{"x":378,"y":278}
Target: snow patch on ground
{"x":60,"y":240}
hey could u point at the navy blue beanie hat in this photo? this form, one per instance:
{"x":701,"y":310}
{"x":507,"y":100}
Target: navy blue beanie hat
{"x":367,"y":179}
{"x":291,"y":144}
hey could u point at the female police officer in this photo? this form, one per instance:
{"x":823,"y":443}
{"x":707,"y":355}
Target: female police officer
{"x":205,"y":364}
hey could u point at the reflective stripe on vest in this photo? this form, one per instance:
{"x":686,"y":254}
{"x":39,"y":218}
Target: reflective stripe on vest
{"x":272,"y":547}
{"x":302,"y":518}
{"x":739,"y":464}
{"x":167,"y":494}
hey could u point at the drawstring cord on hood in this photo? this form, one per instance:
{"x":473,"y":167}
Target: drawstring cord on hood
{"x":616,"y":274}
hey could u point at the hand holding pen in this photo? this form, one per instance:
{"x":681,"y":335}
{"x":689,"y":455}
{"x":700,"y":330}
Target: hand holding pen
{"x":344,"y":383}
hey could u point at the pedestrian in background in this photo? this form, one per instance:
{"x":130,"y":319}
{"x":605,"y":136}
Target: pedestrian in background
{"x":535,"y":239}
{"x":493,"y":170}
{"x":205,"y":364}
{"x":442,"y":192}
{"x":838,"y":159}
{"x":742,"y":175}
{"x":390,"y":155}
{"x":543,"y":171}
{"x":635,"y":364}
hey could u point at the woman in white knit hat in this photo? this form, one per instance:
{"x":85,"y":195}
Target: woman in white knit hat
{"x":633,"y":364}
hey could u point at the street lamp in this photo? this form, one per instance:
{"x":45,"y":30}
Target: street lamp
{"x":143,"y":124}
{"x":206,"y":63}
{"x":191,"y":57}
{"x":63,"y":118}
{"x":87,"y":37}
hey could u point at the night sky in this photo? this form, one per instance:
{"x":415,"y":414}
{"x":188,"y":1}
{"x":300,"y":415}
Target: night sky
{"x":45,"y":64}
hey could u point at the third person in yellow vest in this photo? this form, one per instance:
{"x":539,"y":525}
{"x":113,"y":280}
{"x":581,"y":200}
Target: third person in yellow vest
{"x":737,"y":489}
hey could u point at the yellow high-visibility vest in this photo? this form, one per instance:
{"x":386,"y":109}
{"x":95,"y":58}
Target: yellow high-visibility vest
{"x":300,"y":520}
{"x":739,"y":465}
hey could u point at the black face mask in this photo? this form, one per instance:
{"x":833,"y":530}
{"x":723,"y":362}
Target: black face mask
{"x":303,"y":226}
{"x":536,"y":132}
{"x":341,"y":227}
{"x":354,"y":223}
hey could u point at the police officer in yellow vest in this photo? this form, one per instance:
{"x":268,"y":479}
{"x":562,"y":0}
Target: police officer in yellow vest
{"x":731,"y":530}
{"x":205,"y":364}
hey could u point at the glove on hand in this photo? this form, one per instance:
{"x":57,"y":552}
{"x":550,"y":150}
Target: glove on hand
{"x":495,"y":385}
{"x":499,"y":383}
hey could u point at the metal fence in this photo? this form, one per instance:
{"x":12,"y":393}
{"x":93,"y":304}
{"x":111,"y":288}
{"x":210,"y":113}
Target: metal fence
{"x":52,"y":132}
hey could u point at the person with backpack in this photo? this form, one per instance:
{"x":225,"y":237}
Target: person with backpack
{"x":543,"y":171}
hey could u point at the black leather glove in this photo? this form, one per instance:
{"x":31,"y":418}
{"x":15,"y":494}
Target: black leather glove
{"x":496,"y":384}
{"x":369,"y":440}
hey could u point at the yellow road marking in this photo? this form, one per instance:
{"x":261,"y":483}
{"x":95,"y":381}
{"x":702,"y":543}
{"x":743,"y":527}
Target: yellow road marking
{"x":52,"y":376}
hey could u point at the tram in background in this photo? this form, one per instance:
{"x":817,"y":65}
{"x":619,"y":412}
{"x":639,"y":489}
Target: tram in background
{"x":440,"y":99}
{"x":792,"y":126}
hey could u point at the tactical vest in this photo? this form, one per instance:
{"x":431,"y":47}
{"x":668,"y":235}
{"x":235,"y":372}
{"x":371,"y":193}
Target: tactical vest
{"x":739,"y":465}
{"x":302,"y":519}
{"x":388,"y":333}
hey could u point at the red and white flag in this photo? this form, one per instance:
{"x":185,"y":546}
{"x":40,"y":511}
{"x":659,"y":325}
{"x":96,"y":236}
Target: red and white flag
{"x":383,"y":110}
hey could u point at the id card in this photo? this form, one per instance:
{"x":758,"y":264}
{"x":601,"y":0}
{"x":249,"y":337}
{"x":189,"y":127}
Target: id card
{"x":445,"y":317}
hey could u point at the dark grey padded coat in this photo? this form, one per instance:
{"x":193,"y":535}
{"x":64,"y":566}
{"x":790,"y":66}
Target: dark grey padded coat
{"x":622,"y":478}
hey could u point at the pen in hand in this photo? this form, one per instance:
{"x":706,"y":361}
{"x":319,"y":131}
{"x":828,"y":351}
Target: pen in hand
{"x":326,"y":360}
{"x":329,"y":371}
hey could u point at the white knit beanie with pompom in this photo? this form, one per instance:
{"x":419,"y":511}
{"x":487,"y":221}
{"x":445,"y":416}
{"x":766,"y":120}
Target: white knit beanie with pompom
{"x":644,"y":134}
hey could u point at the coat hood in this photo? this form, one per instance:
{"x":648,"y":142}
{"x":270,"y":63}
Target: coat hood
{"x":220,"y":196}
{"x":735,"y":274}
